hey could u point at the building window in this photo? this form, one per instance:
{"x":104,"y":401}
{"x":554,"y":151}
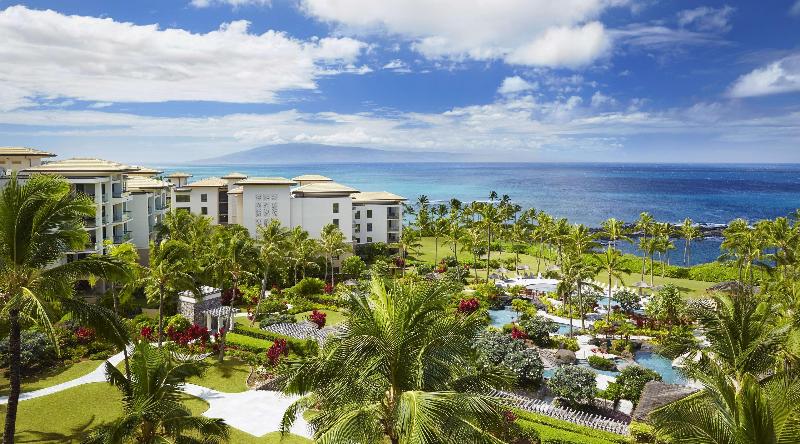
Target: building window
{"x":204,"y":210}
{"x":336,"y":222}
{"x":184,"y":198}
{"x":369,"y":239}
{"x":369,"y":214}
{"x":336,"y":207}
{"x":357,"y":228}
{"x":204,"y":197}
{"x":369,"y":228}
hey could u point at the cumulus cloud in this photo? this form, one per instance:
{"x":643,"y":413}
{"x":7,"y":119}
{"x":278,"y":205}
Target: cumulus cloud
{"x":782,"y":76}
{"x":49,"y":54}
{"x":707,"y":19}
{"x":397,"y":65}
{"x":233,"y":3}
{"x":515,"y":84}
{"x":525,"y":32}
{"x":795,"y":10}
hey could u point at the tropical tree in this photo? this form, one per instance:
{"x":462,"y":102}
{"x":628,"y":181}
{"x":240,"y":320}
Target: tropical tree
{"x":491,"y":218}
{"x":272,"y":245}
{"x":304,"y":250}
{"x":151,"y":403}
{"x":402,"y":371}
{"x":408,"y":243}
{"x":614,"y":230}
{"x":40,"y":221}
{"x":333,"y":244}
{"x":611,"y":261}
{"x":744,"y":246}
{"x":123,"y":286}
{"x":167,"y":273}
{"x":689,"y":232}
{"x":644,"y":225}
{"x":234,"y":257}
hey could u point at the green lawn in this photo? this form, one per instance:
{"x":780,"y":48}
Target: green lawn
{"x":52,"y":376}
{"x":229,"y":376}
{"x":66,"y":417}
{"x":690,"y":288}
{"x":332,"y":317}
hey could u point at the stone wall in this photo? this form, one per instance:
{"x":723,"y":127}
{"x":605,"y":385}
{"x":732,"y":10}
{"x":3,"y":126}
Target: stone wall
{"x":192,"y":307}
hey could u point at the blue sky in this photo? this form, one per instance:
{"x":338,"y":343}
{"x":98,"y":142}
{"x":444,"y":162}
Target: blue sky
{"x":537,"y":80}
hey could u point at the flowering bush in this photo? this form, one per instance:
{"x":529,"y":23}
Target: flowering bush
{"x":146,"y":333}
{"x":468,"y":306}
{"x":189,"y":335}
{"x":517,"y":333}
{"x":399,"y":262}
{"x":441,"y":268}
{"x":85,"y":335}
{"x":318,"y":317}
{"x":228,"y":294}
{"x":278,"y":349}
{"x":328,"y":288}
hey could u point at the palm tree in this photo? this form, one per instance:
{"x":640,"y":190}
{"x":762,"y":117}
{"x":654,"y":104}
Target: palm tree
{"x":560,"y":233}
{"x":333,"y":244}
{"x":402,"y":371}
{"x":303,"y":250}
{"x":614,"y":230}
{"x":454,"y":232}
{"x":438,"y":228}
{"x":272,"y":245}
{"x":748,"y":395}
{"x":152,"y":408}
{"x":644,"y":225}
{"x":610,"y":261}
{"x":472,"y":240}
{"x":543,"y":231}
{"x":409,"y":242}
{"x":167,"y":273}
{"x":519,"y":235}
{"x":744,"y":246}
{"x":689,"y":232}
{"x":423,"y":214}
{"x":234,"y":258}
{"x":128,"y":257}
{"x":40,"y":221}
{"x":491,"y":216}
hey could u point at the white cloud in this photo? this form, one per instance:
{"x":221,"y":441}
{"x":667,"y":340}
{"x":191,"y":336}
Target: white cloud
{"x":516,"y":84}
{"x":234,"y":3}
{"x":48,"y":54}
{"x":530,"y":32}
{"x":795,"y":10}
{"x":782,"y":76}
{"x":564,"y":46}
{"x":707,"y":19}
{"x":397,"y":65}
{"x":660,"y":37}
{"x":600,"y":100}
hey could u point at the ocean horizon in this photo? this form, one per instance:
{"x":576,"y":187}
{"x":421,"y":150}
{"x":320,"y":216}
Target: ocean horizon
{"x":586,"y":193}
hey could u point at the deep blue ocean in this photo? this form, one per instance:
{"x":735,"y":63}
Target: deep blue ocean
{"x":585,"y":193}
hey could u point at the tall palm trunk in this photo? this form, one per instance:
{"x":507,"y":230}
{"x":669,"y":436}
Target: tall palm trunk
{"x":115,"y":297}
{"x":651,"y":269}
{"x":580,"y":307}
{"x":455,"y":256}
{"x":644,"y":253}
{"x":568,"y":301}
{"x":224,"y":331}
{"x":488,"y":249}
{"x":436,"y":250}
{"x":160,"y":314}
{"x":261,"y":295}
{"x":14,"y":376}
{"x":608,"y":305}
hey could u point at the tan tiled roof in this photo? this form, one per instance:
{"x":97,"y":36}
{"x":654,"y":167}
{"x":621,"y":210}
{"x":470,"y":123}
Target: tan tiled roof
{"x":235,"y":176}
{"x":378,"y":197}
{"x":135,"y":183}
{"x":237,"y":190}
{"x":82,"y":165}
{"x":178,"y":175}
{"x":144,"y":171}
{"x":23,"y":151}
{"x":208,"y":182}
{"x":324,"y":188}
{"x":311,"y":177}
{"x":266,"y":181}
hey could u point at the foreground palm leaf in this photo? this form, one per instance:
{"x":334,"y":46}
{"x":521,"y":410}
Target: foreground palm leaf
{"x":402,"y":372}
{"x":152,"y":407}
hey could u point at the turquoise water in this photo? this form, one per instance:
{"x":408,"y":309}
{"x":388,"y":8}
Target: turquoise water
{"x":499,"y":318}
{"x":661,"y":365}
{"x":585,"y":193}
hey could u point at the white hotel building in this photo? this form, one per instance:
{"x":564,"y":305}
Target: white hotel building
{"x":308,"y":201}
{"x":131,"y":200}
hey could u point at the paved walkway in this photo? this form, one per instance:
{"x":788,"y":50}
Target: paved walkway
{"x":256,"y":412}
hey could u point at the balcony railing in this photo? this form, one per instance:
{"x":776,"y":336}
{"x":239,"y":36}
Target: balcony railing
{"x":119,"y":239}
{"x":392,"y":213}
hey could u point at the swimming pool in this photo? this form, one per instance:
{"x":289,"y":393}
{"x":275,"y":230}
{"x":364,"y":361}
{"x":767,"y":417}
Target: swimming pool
{"x":499,"y":318}
{"x":661,"y":365}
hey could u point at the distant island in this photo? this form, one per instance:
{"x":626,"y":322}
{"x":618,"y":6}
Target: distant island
{"x":303,"y":153}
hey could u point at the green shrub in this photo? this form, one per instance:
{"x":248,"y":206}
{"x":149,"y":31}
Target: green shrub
{"x":601,"y":363}
{"x":247,"y":343}
{"x":308,"y":286}
{"x":552,"y":431}
{"x":177,"y":322}
{"x":272,"y":306}
{"x":645,"y":434}
{"x":632,"y":379}
{"x":36,"y":350}
{"x":538,"y":328}
{"x":570,"y":344}
{"x":574,"y":384}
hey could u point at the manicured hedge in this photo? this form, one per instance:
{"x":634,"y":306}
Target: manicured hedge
{"x":556,"y":431}
{"x":247,"y":343}
{"x":301,"y":347}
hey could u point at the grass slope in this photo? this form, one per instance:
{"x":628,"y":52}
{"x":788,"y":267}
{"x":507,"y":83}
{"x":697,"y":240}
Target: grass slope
{"x":229,"y":376}
{"x":52,"y":376}
{"x":332,"y":317}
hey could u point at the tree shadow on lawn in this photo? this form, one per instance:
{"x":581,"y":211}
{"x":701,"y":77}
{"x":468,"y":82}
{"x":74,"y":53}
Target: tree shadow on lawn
{"x":75,"y":434}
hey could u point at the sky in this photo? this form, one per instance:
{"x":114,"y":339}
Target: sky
{"x":161,"y":81}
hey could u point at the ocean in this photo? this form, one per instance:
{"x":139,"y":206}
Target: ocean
{"x":585,"y":193}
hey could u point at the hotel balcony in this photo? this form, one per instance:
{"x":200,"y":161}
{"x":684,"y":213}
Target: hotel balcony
{"x":392,"y":238}
{"x":393,"y":226}
{"x":393,"y":213}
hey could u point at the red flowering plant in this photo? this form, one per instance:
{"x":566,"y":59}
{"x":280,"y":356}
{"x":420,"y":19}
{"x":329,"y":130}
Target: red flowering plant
{"x":318,"y":317}
{"x":399,"y":262}
{"x":228,"y":296}
{"x":468,"y":306}
{"x":84,"y":335}
{"x":441,"y":268}
{"x":328,"y":289}
{"x":276,"y":351}
{"x":146,"y":333}
{"x":517,"y":333}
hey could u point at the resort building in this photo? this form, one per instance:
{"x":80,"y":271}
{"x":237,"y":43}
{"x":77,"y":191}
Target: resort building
{"x":149,"y":205}
{"x":16,"y":158}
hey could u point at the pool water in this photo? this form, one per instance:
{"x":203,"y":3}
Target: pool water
{"x":661,"y":365}
{"x":499,"y":318}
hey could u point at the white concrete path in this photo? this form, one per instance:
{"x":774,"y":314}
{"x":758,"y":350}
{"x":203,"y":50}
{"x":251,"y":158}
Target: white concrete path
{"x":256,"y":412}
